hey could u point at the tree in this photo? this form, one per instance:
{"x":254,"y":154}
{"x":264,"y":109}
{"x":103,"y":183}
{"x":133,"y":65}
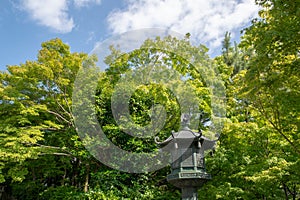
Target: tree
{"x":159,"y":58}
{"x":37,"y":129}
{"x":273,"y":72}
{"x":259,"y":148}
{"x":271,"y":85}
{"x":272,"y":80}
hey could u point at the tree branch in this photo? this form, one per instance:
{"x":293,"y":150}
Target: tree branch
{"x":59,"y":116}
{"x":50,"y":147}
{"x":57,"y":154}
{"x":264,"y":113}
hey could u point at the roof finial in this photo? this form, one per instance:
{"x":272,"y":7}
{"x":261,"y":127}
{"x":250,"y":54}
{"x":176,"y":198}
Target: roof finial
{"x":185,"y":120}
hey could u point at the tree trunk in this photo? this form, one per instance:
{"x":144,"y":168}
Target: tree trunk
{"x":285,"y":191}
{"x":86,"y":184}
{"x":294,"y":193}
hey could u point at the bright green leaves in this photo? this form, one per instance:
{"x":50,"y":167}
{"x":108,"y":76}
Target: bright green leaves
{"x":259,"y":145}
{"x":161,"y":78}
{"x":17,"y":173}
{"x":273,"y":75}
{"x":35,"y":103}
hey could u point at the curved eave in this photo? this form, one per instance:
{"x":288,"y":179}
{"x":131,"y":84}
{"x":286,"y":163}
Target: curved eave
{"x":163,"y":143}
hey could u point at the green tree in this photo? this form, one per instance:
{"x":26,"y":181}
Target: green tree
{"x":162,"y":56}
{"x":272,"y":84}
{"x":258,"y":155}
{"x":273,"y":72}
{"x":38,"y":136}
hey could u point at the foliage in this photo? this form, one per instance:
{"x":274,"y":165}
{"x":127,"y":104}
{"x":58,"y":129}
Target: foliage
{"x":273,"y":74}
{"x":257,"y":157}
{"x":258,"y":153}
{"x":272,"y":85}
{"x":41,"y":123}
{"x":38,"y":137}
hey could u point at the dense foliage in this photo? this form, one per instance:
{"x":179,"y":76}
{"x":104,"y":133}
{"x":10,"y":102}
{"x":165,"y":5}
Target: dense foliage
{"x":257,"y":156}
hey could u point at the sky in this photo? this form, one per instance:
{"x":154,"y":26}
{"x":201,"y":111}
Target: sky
{"x":83,"y":24}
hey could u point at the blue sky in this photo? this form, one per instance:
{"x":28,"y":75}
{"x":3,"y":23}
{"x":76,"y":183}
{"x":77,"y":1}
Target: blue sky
{"x":25,"y":24}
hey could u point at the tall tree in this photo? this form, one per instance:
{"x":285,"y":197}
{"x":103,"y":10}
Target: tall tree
{"x":258,"y":155}
{"x":273,"y":74}
{"x":259,"y":149}
{"x":37,"y":121}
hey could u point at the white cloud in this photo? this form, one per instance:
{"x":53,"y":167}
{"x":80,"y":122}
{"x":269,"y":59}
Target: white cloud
{"x":206,"y":20}
{"x":50,"y":13}
{"x":54,"y":13}
{"x":84,"y":3}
